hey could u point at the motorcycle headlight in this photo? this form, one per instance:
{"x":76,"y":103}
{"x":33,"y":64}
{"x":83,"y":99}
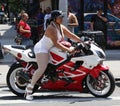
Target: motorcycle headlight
{"x":100,"y":54}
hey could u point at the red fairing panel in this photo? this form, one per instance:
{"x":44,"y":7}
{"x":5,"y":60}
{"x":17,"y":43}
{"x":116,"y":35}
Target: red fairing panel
{"x":77,"y":76}
{"x":96,"y":71}
{"x":56,"y":57}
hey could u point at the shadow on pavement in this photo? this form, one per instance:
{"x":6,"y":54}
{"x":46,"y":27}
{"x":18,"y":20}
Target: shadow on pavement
{"x":55,"y":98}
{"x":118,"y":83}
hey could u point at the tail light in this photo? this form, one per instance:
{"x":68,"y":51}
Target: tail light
{"x":19,"y":55}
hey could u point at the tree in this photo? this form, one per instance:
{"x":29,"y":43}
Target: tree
{"x":14,"y":6}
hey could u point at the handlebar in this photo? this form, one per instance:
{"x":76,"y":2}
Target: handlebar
{"x":80,"y":46}
{"x":83,"y":46}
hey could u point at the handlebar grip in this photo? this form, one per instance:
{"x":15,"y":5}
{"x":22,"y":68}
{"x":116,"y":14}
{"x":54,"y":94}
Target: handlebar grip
{"x":83,"y":46}
{"x":80,"y":46}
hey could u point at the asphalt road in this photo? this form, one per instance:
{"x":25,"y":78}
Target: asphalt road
{"x":58,"y":99}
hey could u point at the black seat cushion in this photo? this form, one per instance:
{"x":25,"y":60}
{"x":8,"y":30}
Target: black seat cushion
{"x":22,"y":47}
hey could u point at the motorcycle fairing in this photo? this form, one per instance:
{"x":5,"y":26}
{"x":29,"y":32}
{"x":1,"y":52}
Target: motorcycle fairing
{"x":96,"y":70}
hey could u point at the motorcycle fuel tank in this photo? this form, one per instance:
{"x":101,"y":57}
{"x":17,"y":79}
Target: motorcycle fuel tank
{"x":57,"y":56}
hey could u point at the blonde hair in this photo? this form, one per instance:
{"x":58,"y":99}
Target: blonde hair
{"x":24,"y":14}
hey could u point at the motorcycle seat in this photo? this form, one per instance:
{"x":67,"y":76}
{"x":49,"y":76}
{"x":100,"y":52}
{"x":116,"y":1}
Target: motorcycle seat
{"x":22,"y":47}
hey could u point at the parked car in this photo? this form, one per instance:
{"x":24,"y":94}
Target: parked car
{"x":113,"y":26}
{"x":2,"y":13}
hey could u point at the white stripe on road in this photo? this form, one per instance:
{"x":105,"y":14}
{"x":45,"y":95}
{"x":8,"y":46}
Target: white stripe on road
{"x":13,"y":102}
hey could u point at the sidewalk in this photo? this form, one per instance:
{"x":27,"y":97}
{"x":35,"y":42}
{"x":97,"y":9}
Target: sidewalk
{"x":113,"y":61}
{"x":7,"y":34}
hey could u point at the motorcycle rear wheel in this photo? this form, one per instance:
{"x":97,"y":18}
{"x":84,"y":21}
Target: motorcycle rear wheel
{"x":15,"y":83}
{"x":101,"y":87}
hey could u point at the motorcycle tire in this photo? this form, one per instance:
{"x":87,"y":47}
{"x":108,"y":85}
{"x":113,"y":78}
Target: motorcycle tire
{"x":101,"y":87}
{"x":17,"y":86}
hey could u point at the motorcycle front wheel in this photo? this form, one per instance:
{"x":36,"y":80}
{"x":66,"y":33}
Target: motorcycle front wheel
{"x":16,"y":83}
{"x":103,"y":86}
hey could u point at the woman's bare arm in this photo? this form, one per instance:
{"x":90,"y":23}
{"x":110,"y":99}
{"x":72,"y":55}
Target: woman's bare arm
{"x":70,"y":34}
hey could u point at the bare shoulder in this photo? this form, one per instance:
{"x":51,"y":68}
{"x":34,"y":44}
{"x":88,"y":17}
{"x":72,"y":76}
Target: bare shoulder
{"x":50,"y":28}
{"x":64,"y":27}
{"x":65,"y":30}
{"x":50,"y":31}
{"x":72,"y":14}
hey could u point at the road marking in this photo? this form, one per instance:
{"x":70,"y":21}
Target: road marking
{"x":4,"y":89}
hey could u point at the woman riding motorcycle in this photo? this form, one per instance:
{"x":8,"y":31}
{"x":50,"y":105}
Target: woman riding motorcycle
{"x":54,"y":34}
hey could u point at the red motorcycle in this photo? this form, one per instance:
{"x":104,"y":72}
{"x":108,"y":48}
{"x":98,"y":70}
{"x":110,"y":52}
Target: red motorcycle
{"x":82,"y":71}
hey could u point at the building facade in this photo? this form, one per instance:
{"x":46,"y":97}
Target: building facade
{"x":54,"y":4}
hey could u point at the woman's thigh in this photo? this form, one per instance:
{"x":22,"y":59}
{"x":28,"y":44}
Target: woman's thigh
{"x":42,"y":60}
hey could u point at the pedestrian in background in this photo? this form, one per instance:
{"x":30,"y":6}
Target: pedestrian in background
{"x":47,"y":17}
{"x":19,"y":18}
{"x":98,"y":23}
{"x":72,"y":20}
{"x":40,"y":17}
{"x":40,"y":20}
{"x":25,"y":31}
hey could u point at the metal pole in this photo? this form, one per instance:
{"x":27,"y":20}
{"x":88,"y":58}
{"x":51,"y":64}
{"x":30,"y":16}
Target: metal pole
{"x":8,"y":9}
{"x":63,"y":6}
{"x":105,"y":13}
{"x":105,"y":7}
{"x":81,"y":12}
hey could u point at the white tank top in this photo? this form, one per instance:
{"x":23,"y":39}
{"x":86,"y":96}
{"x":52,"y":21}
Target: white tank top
{"x":47,"y":42}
